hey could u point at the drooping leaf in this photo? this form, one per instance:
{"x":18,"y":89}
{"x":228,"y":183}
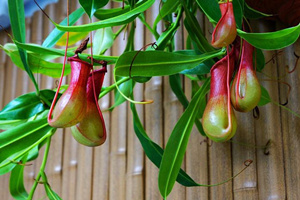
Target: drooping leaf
{"x":90,"y":6}
{"x":17,"y":142}
{"x":114,"y":21}
{"x":265,"y":97}
{"x":195,"y":32}
{"x":167,"y":36}
{"x":74,"y":37}
{"x":36,"y":63}
{"x":153,"y":151}
{"x":259,"y":60}
{"x":159,"y":63}
{"x":167,"y":8}
{"x":25,"y":106}
{"x":17,"y":20}
{"x":103,"y":40}
{"x":60,"y":52}
{"x":272,"y":40}
{"x":16,"y":181}
{"x":50,"y":193}
{"x":178,"y":91}
{"x":103,"y":14}
{"x":253,"y":14}
{"x":56,"y":34}
{"x":212,"y":11}
{"x":8,"y":124}
{"x":177,"y":143}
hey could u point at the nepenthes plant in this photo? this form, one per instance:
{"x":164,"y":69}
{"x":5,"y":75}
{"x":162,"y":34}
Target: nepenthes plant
{"x":223,"y":71}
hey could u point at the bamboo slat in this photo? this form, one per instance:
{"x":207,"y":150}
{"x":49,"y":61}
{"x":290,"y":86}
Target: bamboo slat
{"x":220,"y":160}
{"x":197,"y":153}
{"x":101,"y":163}
{"x":119,"y":170}
{"x":172,"y":112}
{"x":243,"y":148}
{"x":290,"y":122}
{"x":118,"y":141}
{"x":153,"y":115}
{"x":196,"y":158}
{"x":135,"y":155}
{"x":270,"y":169}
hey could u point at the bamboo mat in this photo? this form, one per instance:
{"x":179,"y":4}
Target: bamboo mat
{"x":119,"y":169}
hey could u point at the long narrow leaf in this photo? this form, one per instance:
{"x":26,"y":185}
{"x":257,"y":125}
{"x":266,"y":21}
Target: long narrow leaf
{"x":16,"y":181}
{"x":177,"y":143}
{"x":114,"y":21}
{"x":90,"y":6}
{"x":153,"y":151}
{"x":159,"y":63}
{"x":17,"y":20}
{"x":25,"y":106}
{"x":272,"y":40}
{"x":60,"y":52}
{"x":56,"y":34}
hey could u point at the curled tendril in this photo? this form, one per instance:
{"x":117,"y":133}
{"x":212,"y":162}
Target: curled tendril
{"x":153,"y":45}
{"x":296,"y":63}
{"x":273,"y":57}
{"x":208,"y":141}
{"x":256,"y":113}
{"x":248,"y":162}
{"x":267,"y":147}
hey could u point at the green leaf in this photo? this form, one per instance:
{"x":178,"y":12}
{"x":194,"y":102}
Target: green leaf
{"x":90,"y":6}
{"x":56,"y":34}
{"x":260,"y":60}
{"x":195,"y":32}
{"x":167,"y":36}
{"x":114,"y":21}
{"x":159,"y":63}
{"x":272,"y":40}
{"x":74,"y":37}
{"x":7,"y":124}
{"x":176,"y":87}
{"x":265,"y":97}
{"x":127,"y":89}
{"x":36,"y":63}
{"x":177,"y":143}
{"x":16,"y":182}
{"x":153,"y":151}
{"x":211,"y":10}
{"x":17,"y":20}
{"x":50,"y":193}
{"x":103,"y":40}
{"x":25,"y":106}
{"x":167,"y":8}
{"x":17,"y":142}
{"x":253,"y":14}
{"x":60,"y":52}
{"x":103,"y":14}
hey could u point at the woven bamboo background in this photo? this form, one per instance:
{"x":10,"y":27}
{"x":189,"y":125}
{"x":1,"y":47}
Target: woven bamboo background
{"x":119,"y":169}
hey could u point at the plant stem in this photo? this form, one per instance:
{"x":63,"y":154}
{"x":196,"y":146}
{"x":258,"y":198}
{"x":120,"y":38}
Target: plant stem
{"x":46,"y":101}
{"x":42,"y":168}
{"x":113,"y":86}
{"x":119,"y":31}
{"x":142,"y":18}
